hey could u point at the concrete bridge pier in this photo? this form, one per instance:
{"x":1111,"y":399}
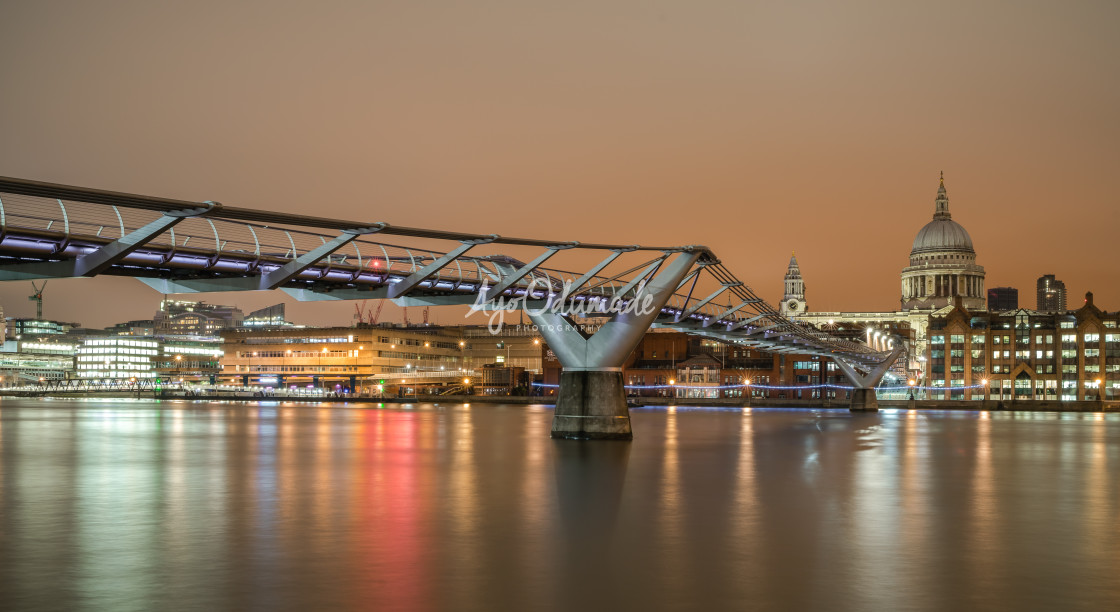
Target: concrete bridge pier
{"x":864,"y":400}
{"x":591,"y":404}
{"x":591,"y":400}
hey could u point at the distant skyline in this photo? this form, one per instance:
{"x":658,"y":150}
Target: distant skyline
{"x":754,"y":128}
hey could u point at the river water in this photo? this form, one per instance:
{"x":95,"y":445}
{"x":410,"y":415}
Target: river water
{"x":142,"y":505}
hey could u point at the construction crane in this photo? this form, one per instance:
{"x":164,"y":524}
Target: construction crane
{"x":37,"y":297}
{"x":368,"y":315}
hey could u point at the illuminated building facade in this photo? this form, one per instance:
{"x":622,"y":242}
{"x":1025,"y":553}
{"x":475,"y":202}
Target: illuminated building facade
{"x":189,"y":361}
{"x":36,"y":359}
{"x":1051,"y":294}
{"x":119,"y":357}
{"x":180,"y":318}
{"x":1025,"y":354}
{"x":18,"y":328}
{"x":386,"y":359}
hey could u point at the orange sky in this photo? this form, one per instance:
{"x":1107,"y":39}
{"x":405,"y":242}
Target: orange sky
{"x":753,"y":128}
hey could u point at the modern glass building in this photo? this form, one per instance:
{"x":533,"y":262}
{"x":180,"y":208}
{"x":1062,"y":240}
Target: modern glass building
{"x":117,"y":357}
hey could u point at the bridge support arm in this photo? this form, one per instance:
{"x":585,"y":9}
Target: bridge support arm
{"x":583,"y":280}
{"x":863,"y":393}
{"x":510,"y":279}
{"x":399,"y":289}
{"x":290,"y":270}
{"x":591,"y":401}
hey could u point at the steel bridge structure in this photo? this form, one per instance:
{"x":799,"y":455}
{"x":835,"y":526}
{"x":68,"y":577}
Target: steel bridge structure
{"x":592,"y":318}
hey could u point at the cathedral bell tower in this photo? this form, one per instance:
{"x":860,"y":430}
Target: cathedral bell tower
{"x":793,"y":302}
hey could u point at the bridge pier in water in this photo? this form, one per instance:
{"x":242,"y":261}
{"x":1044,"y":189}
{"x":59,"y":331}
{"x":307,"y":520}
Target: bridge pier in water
{"x":591,"y":404}
{"x":591,"y":400}
{"x":864,"y":400}
{"x":863,"y":393}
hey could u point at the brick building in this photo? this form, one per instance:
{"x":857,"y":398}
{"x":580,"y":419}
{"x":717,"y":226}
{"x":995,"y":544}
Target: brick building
{"x":1025,"y":354}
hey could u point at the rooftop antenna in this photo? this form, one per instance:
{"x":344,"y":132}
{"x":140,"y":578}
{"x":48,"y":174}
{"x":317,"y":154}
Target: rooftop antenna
{"x":37,"y":297}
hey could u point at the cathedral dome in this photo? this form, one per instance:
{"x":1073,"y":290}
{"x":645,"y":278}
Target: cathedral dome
{"x":943,"y":264}
{"x":942,"y":235}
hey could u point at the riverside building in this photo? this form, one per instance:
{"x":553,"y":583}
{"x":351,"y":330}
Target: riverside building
{"x":117,"y":357}
{"x":387,"y":359}
{"x":1025,"y":354}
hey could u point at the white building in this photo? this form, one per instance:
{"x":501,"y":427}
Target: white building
{"x":117,"y":357}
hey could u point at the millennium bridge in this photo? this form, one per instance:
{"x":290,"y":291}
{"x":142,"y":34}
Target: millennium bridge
{"x":175,"y":246}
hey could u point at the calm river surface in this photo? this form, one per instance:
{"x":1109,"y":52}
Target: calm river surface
{"x":142,"y":505}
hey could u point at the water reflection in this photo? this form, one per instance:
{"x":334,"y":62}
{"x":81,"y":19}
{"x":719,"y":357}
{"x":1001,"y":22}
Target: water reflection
{"x":283,"y":506}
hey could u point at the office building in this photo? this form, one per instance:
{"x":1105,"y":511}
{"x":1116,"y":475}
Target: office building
{"x":1025,"y":354}
{"x":1051,"y":294}
{"x":1003,"y":298}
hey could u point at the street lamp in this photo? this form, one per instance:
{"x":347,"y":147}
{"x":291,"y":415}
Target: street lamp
{"x":1100,"y":391}
{"x":358,"y":366}
{"x":249,"y":377}
{"x":911,"y":382}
